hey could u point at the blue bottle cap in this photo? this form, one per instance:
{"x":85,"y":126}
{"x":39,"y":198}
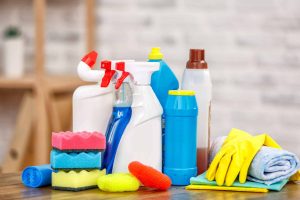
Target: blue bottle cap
{"x":37,"y":176}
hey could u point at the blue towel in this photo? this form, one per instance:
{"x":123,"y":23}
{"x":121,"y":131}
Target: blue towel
{"x":272,"y":165}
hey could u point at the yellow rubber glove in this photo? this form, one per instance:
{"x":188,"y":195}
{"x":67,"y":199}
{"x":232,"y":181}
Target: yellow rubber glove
{"x":296,"y":176}
{"x":236,"y":155}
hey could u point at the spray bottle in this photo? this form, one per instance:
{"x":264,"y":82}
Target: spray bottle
{"x":141,"y":138}
{"x":196,"y":77}
{"x":91,"y":103}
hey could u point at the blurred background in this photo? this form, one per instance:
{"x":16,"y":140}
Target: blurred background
{"x":252,"y":48}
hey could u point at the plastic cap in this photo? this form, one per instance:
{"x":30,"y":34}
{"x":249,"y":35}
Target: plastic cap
{"x":90,"y":58}
{"x":197,"y":59}
{"x":155,"y":54}
{"x":182,"y":92}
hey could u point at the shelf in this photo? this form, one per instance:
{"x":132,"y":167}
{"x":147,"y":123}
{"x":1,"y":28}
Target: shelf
{"x":55,"y":84}
{"x":26,"y":82}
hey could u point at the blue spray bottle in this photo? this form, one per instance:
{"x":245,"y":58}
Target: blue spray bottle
{"x":162,"y":81}
{"x":121,"y":115}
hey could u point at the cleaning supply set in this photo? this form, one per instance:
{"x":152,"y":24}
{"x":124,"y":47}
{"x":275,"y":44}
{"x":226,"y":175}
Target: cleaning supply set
{"x":151,"y":127}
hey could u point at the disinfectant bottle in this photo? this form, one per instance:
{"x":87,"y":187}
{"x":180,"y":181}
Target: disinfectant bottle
{"x":181,"y":136}
{"x":196,"y":77}
{"x":121,"y":114}
{"x":91,"y":103}
{"x":141,"y":139}
{"x":162,"y":81}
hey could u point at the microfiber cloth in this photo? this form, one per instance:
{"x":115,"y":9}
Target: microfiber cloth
{"x":201,"y":180}
{"x":271,"y":165}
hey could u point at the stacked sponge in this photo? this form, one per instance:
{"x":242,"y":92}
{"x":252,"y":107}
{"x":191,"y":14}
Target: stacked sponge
{"x":76,"y":160}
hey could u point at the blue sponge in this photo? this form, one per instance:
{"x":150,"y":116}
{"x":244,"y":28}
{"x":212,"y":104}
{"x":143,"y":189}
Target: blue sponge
{"x":37,"y":176}
{"x":75,"y":160}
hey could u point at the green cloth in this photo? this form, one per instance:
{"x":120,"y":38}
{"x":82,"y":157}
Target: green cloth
{"x":201,"y":180}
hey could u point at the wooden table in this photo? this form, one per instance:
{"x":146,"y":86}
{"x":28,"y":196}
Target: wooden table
{"x":12,"y":188}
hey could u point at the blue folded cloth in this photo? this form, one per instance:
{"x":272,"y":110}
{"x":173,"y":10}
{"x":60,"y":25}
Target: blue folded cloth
{"x":271,"y":165}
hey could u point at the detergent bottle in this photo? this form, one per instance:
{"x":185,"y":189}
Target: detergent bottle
{"x":141,"y":138}
{"x":162,"y":81}
{"x":196,"y":77}
{"x":91,"y":103}
{"x":120,"y":116}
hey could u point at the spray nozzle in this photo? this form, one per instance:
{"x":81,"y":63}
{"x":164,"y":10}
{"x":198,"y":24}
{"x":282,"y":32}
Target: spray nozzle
{"x":90,"y":58}
{"x":140,"y":71}
{"x":109,"y":73}
{"x":120,"y":66}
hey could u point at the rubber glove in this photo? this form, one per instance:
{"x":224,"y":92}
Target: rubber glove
{"x":236,"y":155}
{"x":296,"y":176}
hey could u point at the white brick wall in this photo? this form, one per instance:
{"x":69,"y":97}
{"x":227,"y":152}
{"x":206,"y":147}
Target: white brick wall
{"x":253,"y":51}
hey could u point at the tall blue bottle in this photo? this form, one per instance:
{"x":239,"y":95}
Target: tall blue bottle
{"x":180,"y":136}
{"x":164,"y":79}
{"x":161,"y":82}
{"x":119,"y":119}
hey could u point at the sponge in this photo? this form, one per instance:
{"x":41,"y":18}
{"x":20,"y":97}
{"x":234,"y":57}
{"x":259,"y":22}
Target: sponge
{"x":118,"y":182}
{"x":149,"y":176}
{"x":84,"y":141}
{"x":75,"y":160}
{"x":76,"y":180}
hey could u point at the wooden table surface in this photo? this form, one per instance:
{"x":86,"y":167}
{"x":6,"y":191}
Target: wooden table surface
{"x":12,"y":188}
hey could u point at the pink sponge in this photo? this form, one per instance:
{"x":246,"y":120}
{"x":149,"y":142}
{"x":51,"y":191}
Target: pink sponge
{"x":69,"y":141}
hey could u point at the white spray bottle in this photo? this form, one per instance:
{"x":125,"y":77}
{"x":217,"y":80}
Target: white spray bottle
{"x":142,"y":138}
{"x":91,"y":103}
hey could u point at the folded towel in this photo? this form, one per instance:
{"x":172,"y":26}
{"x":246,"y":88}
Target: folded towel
{"x":269,"y":165}
{"x":272,"y":165}
{"x":201,"y":180}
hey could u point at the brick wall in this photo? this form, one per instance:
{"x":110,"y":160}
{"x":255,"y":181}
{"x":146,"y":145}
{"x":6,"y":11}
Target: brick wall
{"x":253,"y":51}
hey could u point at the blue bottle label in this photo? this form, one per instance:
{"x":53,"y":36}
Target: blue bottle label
{"x":116,"y":126}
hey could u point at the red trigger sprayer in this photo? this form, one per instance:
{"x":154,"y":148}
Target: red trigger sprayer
{"x":121,"y":67}
{"x":109,"y":73}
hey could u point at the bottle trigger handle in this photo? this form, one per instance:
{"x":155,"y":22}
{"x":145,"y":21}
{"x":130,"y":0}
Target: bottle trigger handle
{"x":109,"y":73}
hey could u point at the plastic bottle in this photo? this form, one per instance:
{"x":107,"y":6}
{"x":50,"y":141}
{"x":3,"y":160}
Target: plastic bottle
{"x":162,"y":81}
{"x":141,"y":140}
{"x":91,"y":103}
{"x":181,"y":136}
{"x":119,"y":119}
{"x":196,"y":77}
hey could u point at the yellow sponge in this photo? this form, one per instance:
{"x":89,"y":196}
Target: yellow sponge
{"x":119,"y":182}
{"x":76,"y":180}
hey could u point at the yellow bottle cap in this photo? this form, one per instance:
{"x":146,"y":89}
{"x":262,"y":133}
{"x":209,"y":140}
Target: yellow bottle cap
{"x":182,"y":92}
{"x":155,"y":54}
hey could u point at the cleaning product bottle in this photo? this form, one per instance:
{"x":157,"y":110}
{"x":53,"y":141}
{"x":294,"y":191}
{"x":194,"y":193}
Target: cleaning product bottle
{"x":141,"y":139}
{"x":91,"y":103}
{"x":119,"y":119}
{"x":162,"y":81}
{"x":181,"y":136}
{"x":196,"y":77}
